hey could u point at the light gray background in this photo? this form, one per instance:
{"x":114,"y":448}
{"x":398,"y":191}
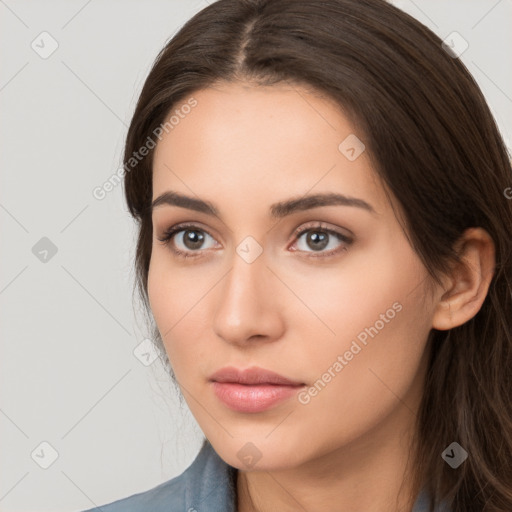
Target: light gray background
{"x":68,"y":328}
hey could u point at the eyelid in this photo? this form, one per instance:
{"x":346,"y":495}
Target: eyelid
{"x":169,"y":233}
{"x":321,"y":226}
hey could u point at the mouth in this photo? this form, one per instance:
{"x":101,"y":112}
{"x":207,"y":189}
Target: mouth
{"x":252,"y":390}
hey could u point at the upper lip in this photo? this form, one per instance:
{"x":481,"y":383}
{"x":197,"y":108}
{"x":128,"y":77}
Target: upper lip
{"x":253,"y":375}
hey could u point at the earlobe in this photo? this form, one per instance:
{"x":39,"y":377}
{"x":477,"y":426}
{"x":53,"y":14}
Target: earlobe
{"x":470,"y":280}
{"x":442,"y":320}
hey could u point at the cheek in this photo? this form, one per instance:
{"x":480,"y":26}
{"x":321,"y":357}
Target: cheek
{"x":369,"y":369}
{"x":371,"y":310}
{"x":173,"y":290}
{"x":346,"y":297}
{"x":178,"y":298}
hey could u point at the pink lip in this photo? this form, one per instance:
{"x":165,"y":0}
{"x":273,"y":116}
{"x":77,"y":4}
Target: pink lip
{"x":252,"y":390}
{"x":253,"y":375}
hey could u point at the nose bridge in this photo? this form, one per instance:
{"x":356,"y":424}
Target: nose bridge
{"x":245,"y":306}
{"x":245,"y":282}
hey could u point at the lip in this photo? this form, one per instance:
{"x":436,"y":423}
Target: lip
{"x":253,"y":389}
{"x":252,"y":375}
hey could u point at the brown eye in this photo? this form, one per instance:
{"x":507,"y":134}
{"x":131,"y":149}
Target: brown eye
{"x":192,"y":239}
{"x":315,"y":239}
{"x":185,"y":240}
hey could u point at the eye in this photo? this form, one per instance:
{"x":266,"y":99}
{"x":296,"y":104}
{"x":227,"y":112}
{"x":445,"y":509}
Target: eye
{"x":188,"y":237}
{"x":319,"y":237}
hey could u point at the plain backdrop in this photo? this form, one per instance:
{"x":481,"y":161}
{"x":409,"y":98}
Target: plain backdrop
{"x":73,"y":395}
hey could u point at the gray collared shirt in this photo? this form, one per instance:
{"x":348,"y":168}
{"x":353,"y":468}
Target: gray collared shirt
{"x":207,"y":485}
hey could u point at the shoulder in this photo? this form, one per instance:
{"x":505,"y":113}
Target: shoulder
{"x":167,"y":496}
{"x":422,"y":503}
{"x":208,"y":484}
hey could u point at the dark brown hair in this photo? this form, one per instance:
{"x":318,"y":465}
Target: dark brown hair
{"x":433,"y":142}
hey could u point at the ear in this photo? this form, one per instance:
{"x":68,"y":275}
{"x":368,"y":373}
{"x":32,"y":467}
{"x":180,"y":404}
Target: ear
{"x":469,"y":280}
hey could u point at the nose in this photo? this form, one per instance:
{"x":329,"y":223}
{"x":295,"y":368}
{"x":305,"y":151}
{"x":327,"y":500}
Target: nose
{"x":249,"y":308}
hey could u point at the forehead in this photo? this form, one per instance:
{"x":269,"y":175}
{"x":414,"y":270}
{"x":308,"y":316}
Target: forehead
{"x":252,"y":143}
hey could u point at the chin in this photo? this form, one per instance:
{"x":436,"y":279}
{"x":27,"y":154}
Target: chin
{"x":260,"y":453}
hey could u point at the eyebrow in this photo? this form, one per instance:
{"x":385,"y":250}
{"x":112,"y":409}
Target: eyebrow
{"x":277,"y":210}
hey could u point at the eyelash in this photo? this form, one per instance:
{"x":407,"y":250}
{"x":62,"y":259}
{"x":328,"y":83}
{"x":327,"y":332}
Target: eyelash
{"x":169,"y":233}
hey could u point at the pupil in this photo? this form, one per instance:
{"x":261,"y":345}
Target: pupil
{"x":193,"y":239}
{"x":316,"y":237}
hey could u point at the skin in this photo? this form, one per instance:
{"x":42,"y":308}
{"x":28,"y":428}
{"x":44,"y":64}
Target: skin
{"x":244,"y":148}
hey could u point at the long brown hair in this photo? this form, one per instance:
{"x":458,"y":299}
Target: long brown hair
{"x":433,"y":142}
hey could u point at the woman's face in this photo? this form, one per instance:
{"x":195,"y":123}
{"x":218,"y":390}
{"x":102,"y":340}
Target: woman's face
{"x":343,"y":313}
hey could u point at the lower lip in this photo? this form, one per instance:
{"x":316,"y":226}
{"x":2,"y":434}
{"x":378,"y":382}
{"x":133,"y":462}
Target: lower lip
{"x":245,"y":398}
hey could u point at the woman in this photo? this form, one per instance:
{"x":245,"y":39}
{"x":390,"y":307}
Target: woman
{"x":324,"y":245}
